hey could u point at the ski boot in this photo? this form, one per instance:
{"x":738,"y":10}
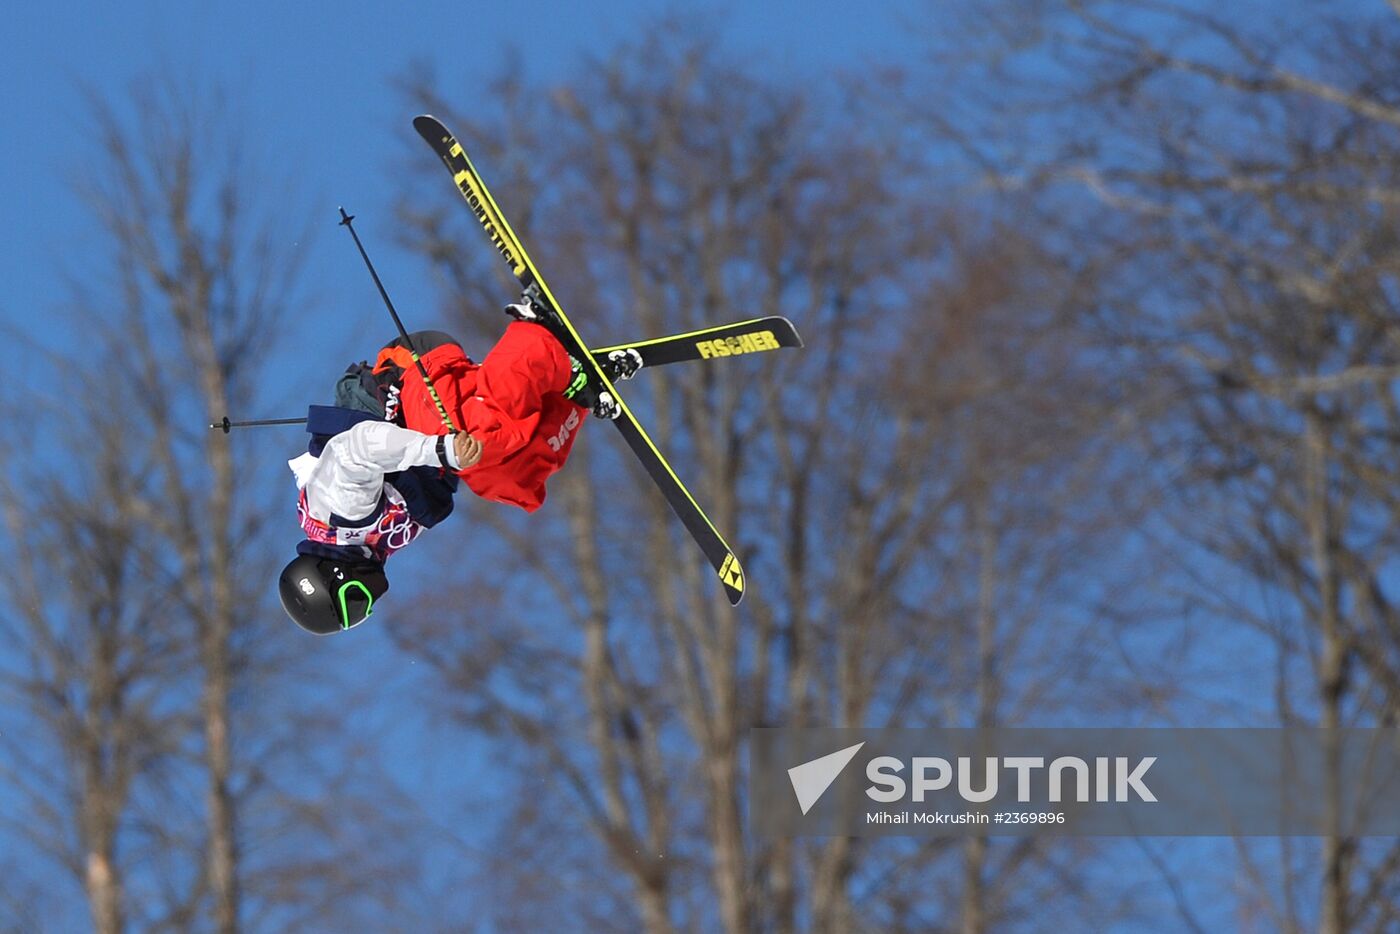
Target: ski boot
{"x":581,"y":392}
{"x":622,"y":364}
{"x":526,"y":309}
{"x":606,"y":407}
{"x":529,"y":308}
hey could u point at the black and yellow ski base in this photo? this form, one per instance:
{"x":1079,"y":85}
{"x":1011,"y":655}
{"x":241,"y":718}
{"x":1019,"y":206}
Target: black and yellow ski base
{"x":504,"y":241}
{"x":756,"y":335}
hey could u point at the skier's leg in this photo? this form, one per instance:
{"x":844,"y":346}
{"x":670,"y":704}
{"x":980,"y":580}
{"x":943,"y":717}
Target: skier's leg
{"x":527,"y":363}
{"x":622,"y":363}
{"x":579,"y":389}
{"x":584,"y":394}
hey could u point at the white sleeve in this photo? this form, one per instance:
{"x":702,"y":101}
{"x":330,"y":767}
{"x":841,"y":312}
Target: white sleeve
{"x":383,"y":447}
{"x":347,"y":480}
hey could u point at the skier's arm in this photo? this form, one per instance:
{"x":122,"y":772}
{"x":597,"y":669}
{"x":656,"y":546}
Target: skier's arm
{"x":347,"y":480}
{"x":382,"y":447}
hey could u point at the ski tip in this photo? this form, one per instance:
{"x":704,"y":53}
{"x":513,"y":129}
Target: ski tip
{"x":429,"y":127}
{"x":790,"y":337}
{"x":731,"y":575}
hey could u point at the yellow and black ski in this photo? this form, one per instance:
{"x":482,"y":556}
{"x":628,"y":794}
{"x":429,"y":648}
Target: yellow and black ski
{"x":504,"y":241}
{"x":756,"y":335}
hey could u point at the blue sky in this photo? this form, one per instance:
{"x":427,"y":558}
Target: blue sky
{"x":312,"y":85}
{"x":303,"y":75}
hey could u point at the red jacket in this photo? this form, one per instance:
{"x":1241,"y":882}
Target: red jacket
{"x":511,"y":402}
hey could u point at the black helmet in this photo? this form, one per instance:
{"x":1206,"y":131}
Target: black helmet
{"x":325,"y":595}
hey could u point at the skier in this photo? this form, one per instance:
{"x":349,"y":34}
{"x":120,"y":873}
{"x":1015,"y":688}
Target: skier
{"x":383,"y":463}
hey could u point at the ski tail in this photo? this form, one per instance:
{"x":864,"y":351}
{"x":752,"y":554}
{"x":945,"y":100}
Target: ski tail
{"x":503,"y":239}
{"x":756,"y":335}
{"x":482,"y":205}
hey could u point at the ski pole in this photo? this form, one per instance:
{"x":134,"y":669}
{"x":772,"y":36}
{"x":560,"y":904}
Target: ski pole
{"x":345,"y":220}
{"x":225,"y":424}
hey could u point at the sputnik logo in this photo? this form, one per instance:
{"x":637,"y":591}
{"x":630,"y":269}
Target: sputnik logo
{"x":810,"y":780}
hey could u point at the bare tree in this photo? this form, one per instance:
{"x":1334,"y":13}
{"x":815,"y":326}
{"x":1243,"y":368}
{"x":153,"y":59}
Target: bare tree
{"x":1243,"y":172}
{"x":95,"y":653}
{"x":662,"y":190}
{"x":201,"y":286}
{"x":140,"y":668}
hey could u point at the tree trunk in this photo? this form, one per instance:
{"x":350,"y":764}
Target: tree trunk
{"x":103,"y":890}
{"x":222,"y":854}
{"x":1336,"y":847}
{"x":216,"y":655}
{"x":726,"y":831}
{"x":974,"y":895}
{"x":101,"y":874}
